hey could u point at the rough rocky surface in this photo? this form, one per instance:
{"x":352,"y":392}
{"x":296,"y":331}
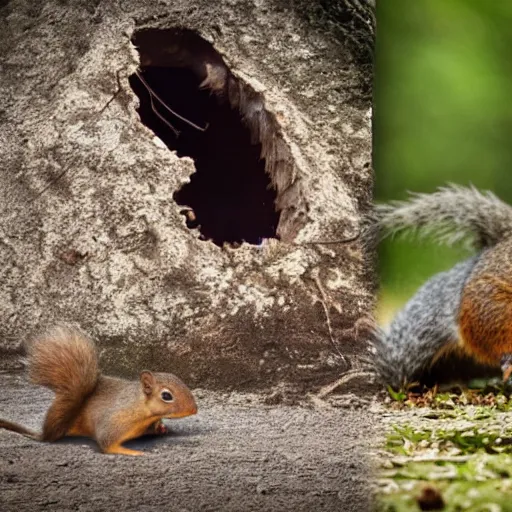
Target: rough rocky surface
{"x":236,"y":454}
{"x":89,"y":231}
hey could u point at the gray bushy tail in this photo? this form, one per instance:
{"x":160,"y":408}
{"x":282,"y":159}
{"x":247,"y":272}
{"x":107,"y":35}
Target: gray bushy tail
{"x":428,"y":324}
{"x":451,"y":214}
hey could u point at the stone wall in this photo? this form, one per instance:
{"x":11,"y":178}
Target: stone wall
{"x":89,"y":229}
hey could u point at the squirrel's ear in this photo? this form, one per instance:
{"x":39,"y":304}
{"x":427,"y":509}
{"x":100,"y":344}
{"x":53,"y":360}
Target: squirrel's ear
{"x":148,"y":382}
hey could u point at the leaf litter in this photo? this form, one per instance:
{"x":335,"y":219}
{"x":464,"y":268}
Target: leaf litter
{"x":449,"y":450}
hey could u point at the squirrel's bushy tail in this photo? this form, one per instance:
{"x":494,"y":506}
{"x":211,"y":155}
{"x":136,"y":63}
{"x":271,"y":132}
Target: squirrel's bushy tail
{"x":451,"y":214}
{"x":425,"y":328}
{"x":65,"y":360}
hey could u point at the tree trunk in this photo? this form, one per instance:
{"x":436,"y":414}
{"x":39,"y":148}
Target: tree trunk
{"x":205,"y":253}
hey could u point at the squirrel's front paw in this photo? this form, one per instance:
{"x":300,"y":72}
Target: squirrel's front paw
{"x":158,"y":428}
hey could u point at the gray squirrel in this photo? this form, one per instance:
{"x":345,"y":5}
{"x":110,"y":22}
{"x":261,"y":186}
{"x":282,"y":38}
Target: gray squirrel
{"x":466,"y":310}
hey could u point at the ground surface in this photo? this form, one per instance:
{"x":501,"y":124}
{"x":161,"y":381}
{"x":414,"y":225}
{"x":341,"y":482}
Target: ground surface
{"x":235,"y":455}
{"x":449,"y":450}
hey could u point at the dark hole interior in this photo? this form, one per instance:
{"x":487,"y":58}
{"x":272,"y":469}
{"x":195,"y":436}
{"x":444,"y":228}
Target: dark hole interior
{"x":229,"y":198}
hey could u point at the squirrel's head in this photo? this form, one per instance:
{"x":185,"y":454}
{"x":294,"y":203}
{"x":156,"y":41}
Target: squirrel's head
{"x":166,"y":395}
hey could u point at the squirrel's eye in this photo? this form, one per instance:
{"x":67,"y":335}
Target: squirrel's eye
{"x":166,"y":396}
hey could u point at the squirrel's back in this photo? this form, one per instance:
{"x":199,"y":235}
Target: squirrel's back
{"x":65,"y":360}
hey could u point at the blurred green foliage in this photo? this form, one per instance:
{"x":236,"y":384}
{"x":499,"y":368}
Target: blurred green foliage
{"x":443,"y":113}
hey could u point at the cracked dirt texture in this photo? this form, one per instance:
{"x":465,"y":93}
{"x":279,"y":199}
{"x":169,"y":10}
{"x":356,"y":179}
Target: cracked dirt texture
{"x":235,"y":455}
{"x":81,"y":175}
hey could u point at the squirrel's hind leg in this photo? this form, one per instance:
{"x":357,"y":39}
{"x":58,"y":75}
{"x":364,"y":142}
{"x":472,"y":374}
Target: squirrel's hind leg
{"x":121,"y":450}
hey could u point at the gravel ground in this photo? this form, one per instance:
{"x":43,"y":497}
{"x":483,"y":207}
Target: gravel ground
{"x":235,"y":455}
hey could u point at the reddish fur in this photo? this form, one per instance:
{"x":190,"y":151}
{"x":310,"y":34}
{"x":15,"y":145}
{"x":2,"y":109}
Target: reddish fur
{"x":486,"y":307}
{"x":65,"y":360}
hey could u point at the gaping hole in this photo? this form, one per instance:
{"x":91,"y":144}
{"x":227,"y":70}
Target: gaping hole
{"x":244,"y":180}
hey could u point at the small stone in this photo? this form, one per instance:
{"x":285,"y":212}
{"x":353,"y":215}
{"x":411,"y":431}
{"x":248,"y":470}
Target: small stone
{"x":430,"y":499}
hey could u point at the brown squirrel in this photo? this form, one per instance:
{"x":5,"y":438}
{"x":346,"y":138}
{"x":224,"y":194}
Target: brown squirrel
{"x":108,"y":409}
{"x":465,"y":310}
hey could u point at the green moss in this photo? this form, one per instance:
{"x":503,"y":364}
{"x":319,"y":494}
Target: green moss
{"x":470,"y":439}
{"x":466,"y":456}
{"x":489,"y":496}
